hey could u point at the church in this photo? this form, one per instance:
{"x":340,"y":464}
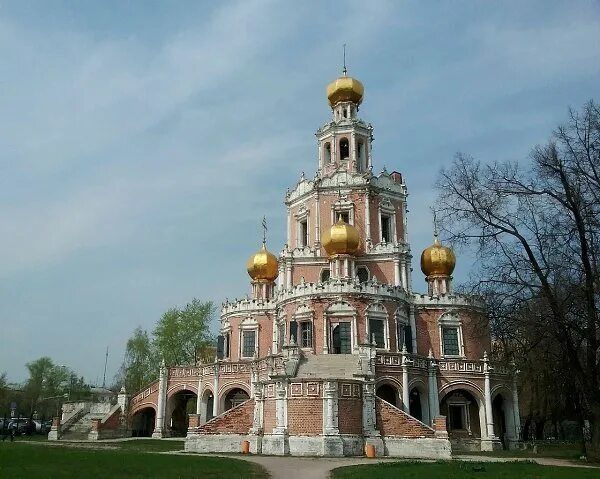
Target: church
{"x":334,"y":350}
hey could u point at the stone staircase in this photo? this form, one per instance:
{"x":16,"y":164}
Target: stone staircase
{"x":81,"y":428}
{"x":328,"y":366}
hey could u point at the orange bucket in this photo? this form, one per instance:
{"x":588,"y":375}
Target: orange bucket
{"x":370,"y":450}
{"x":245,"y":447}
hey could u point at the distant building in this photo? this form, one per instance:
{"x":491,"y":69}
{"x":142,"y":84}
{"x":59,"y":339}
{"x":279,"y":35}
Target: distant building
{"x":334,"y":350}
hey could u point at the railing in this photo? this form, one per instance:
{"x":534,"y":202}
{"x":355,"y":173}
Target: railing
{"x":152,"y":388}
{"x":460,"y":366}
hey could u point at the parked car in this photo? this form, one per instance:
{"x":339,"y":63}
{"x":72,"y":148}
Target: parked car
{"x":22,"y":426}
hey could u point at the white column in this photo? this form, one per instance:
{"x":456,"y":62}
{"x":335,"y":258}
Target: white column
{"x":368,"y":407}
{"x":489,"y":418}
{"x":413,"y":328}
{"x":289,"y":228}
{"x":280,"y":408}
{"x":199,"y":398}
{"x":317,"y":222}
{"x":405,"y":391}
{"x":434,"y":404}
{"x":216,"y":398}
{"x":396,"y":271}
{"x":403,"y":274}
{"x":325,"y":334}
{"x":367,"y":219}
{"x":330,"y":425}
{"x":516,"y":411}
{"x":288,"y":273}
{"x":159,"y":426}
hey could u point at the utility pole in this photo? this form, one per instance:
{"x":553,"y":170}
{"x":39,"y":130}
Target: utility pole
{"x":105,"y":362}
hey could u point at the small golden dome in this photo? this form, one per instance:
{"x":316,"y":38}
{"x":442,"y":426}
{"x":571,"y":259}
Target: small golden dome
{"x":345,"y":88}
{"x":437,"y":260}
{"x":263,"y":266}
{"x":341,"y":238}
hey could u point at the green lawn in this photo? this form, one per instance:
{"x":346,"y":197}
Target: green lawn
{"x":554,"y":449}
{"x":461,"y":470}
{"x":20,"y":461}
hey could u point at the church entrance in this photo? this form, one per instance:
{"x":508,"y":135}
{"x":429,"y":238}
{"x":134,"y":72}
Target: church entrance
{"x":341,"y":338}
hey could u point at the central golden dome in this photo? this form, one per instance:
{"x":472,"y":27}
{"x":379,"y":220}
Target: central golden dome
{"x":341,"y":238}
{"x":263,"y":266}
{"x":345,"y":88}
{"x":437,"y":260}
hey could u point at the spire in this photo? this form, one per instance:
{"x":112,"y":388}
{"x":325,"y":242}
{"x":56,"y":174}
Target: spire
{"x":264,"y":225}
{"x":435,"y":227}
{"x":345,"y":70}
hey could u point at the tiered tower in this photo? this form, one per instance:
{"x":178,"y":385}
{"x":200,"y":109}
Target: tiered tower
{"x":341,"y":352}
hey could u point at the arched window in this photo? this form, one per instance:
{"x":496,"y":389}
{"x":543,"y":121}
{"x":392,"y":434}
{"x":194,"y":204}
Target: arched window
{"x":327,"y":151}
{"x":360,"y":152}
{"x":325,"y":274}
{"x":344,"y":149}
{"x":363,"y":274}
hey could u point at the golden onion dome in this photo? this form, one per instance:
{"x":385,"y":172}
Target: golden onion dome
{"x":263,"y":266}
{"x":345,"y":88}
{"x":341,"y":238}
{"x":437,"y":260}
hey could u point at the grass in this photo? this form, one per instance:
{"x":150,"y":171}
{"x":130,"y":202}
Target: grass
{"x":20,"y":461}
{"x":553,"y":449}
{"x":461,"y":470}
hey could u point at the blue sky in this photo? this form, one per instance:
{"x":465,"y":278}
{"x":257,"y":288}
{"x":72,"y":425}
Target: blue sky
{"x":141,"y":142}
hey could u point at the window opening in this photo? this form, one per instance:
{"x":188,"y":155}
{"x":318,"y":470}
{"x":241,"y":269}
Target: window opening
{"x":341,"y":338}
{"x":248,"y":343}
{"x":344,"y":149}
{"x":376,"y":332}
{"x":450,"y":341}
{"x":327,"y":152}
{"x":363,"y":274}
{"x":325,"y":275}
{"x":303,"y":239}
{"x":385,"y":228}
{"x":306,"y":334}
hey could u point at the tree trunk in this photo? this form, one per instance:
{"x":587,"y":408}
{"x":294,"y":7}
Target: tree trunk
{"x":593,"y":446}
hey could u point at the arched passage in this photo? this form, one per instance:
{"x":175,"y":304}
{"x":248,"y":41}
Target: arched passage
{"x":415,"y":405}
{"x":465,"y":419}
{"x":142,"y":422}
{"x":179,"y":406}
{"x":388,"y":393}
{"x":234,"y":397}
{"x":207,"y":406}
{"x":504,"y":419}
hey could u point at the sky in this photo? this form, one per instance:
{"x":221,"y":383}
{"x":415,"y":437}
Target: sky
{"x":141,"y":142}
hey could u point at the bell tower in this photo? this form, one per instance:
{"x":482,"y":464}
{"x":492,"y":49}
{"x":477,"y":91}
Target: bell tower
{"x":345,"y":141}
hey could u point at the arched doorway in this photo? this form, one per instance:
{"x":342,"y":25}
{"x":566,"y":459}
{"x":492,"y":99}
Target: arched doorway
{"x":207,"y":406}
{"x":503,"y":415}
{"x":341,"y":338}
{"x":414,"y":404}
{"x":465,"y":418}
{"x":142,"y":422}
{"x":181,"y":405}
{"x":388,"y":393}
{"x":234,"y":398}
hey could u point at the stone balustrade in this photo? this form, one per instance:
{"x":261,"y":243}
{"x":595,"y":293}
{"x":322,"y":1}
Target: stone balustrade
{"x":459,"y":366}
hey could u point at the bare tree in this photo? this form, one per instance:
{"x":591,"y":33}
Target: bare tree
{"x":536,"y":228}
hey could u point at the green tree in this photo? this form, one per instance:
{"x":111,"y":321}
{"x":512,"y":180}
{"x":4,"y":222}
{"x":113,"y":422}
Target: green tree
{"x":181,"y":336}
{"x":140,"y":365}
{"x":536,"y":227}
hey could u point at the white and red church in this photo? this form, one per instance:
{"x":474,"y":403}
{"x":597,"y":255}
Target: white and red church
{"x":334,"y":349}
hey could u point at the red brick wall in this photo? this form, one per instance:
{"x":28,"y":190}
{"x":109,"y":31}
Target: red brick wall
{"x":235,"y":421}
{"x":476,"y":337}
{"x":270,"y":419}
{"x":305,"y":416}
{"x":350,"y":416}
{"x":391,"y":421}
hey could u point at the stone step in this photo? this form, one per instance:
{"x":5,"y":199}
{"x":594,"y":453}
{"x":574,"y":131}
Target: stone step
{"x":328,"y":366}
